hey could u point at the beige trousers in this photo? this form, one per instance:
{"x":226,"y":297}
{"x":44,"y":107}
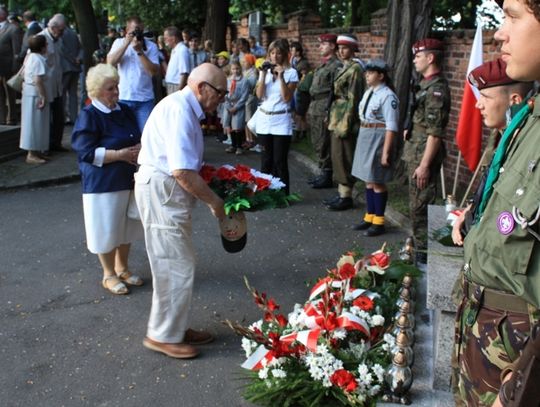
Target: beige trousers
{"x":165,"y":210}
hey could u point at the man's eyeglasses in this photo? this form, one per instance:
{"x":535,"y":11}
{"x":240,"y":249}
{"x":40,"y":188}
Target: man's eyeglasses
{"x":221,"y":92}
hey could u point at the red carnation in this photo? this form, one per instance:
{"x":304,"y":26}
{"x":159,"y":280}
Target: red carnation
{"x":262,"y":183}
{"x":364,"y":303}
{"x":242,"y":168}
{"x":224,"y":174}
{"x":344,"y":379}
{"x":244,"y":176}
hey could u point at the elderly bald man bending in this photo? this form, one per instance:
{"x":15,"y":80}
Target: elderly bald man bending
{"x":166,"y":188}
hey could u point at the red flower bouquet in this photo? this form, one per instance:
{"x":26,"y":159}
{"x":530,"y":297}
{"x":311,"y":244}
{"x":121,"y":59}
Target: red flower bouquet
{"x":245,"y":189}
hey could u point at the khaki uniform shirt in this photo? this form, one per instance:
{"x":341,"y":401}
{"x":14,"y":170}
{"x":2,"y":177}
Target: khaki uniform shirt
{"x":321,"y":86}
{"x":429,"y":119}
{"x":348,"y":89}
{"x":499,"y":252}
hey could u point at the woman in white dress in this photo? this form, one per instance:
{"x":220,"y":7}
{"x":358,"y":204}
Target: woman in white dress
{"x":35,"y":102}
{"x":275,"y":88}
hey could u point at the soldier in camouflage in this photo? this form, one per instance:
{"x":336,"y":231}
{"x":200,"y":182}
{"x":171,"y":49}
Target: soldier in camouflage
{"x":424,"y":147}
{"x":497,"y":340}
{"x":344,"y":121}
{"x":321,"y":97}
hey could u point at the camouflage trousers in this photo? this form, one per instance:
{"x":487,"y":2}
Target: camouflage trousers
{"x":320,"y":140}
{"x":419,"y":199}
{"x":342,"y":152}
{"x":486,"y":341}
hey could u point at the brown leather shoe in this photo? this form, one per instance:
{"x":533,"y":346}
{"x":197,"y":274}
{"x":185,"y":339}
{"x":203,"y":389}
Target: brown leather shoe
{"x":173,"y":350}
{"x":197,"y":337}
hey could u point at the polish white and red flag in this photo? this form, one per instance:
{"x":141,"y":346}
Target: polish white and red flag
{"x":469,"y":129}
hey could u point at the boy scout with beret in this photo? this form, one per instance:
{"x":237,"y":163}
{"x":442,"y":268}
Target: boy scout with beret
{"x":498,"y":330}
{"x":500,"y":98}
{"x":424,"y":147}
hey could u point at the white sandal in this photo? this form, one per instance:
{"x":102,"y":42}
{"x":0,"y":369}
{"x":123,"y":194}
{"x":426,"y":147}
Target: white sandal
{"x":118,"y":289}
{"x":130,"y":278}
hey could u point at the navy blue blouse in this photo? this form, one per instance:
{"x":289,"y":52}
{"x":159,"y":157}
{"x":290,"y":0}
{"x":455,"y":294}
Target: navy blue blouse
{"x":114,"y":131}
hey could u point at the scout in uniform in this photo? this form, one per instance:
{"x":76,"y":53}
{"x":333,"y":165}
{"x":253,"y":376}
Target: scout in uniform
{"x":498,"y":335}
{"x":344,"y":122}
{"x":424,"y":147}
{"x":321,"y":94}
{"x":375,"y":149}
{"x":500,"y":98}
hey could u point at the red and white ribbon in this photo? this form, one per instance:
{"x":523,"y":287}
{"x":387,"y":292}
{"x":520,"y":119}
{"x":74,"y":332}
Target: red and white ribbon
{"x":255,"y":361}
{"x":308,"y":338}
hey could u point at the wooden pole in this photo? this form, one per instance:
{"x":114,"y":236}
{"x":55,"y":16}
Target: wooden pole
{"x":473,"y":179}
{"x":454,"y":188}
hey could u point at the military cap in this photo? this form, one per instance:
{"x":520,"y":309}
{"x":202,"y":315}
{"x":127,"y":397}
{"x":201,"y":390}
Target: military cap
{"x":349,"y":40}
{"x":328,"y":38}
{"x":223,"y":54}
{"x":490,"y":74}
{"x":427,"y":44}
{"x":377,"y":65}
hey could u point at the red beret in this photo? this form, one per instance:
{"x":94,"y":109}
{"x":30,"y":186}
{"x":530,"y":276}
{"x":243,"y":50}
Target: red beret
{"x":489,"y":74}
{"x":427,"y":44}
{"x":328,"y":38}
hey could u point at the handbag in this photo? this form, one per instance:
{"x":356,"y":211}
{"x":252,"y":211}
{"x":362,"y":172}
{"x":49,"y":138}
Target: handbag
{"x":16,"y":81}
{"x":252,"y":123}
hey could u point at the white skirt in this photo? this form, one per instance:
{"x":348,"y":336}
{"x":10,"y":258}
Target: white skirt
{"x":107,"y":222}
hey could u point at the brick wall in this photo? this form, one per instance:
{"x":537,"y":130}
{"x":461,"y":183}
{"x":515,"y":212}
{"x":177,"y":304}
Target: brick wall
{"x":304,"y":26}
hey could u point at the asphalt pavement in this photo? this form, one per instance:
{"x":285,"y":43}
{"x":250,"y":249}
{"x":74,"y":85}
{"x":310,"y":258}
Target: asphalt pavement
{"x":65,"y":341}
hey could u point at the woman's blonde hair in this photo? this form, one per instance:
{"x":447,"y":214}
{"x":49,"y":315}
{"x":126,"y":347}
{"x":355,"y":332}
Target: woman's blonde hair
{"x":96,"y":77}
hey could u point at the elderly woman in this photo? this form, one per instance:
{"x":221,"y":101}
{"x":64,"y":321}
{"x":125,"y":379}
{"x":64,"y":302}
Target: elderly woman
{"x":275,"y":88}
{"x":34,"y":102}
{"x":106,"y":138}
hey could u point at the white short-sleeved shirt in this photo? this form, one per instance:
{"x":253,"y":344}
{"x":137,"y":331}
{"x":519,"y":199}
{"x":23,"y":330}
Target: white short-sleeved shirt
{"x":277,"y":124}
{"x":34,"y":65}
{"x":172,"y":138}
{"x":135,"y":83}
{"x":178,"y":64}
{"x":383,"y":107}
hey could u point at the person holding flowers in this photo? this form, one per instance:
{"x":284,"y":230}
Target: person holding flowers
{"x":166,"y":188}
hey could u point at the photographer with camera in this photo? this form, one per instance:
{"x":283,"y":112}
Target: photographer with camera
{"x":137,"y":60}
{"x":275,"y":89}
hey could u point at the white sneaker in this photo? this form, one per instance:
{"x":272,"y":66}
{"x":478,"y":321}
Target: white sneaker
{"x":257,"y":148}
{"x":228,"y":141}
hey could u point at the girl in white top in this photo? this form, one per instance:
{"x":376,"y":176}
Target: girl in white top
{"x":34,"y":102}
{"x":275,"y":88}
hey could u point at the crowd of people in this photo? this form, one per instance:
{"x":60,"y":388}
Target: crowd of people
{"x":351,"y":112}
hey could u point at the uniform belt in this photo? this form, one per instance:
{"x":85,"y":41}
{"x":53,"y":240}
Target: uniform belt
{"x":494,"y":298}
{"x":372,"y":125}
{"x":276,"y":112}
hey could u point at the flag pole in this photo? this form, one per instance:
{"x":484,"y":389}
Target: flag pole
{"x":473,"y":179}
{"x":443,"y":183}
{"x":456,"y":176}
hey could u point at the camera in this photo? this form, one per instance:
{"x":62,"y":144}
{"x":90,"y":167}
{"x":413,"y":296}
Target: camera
{"x":138,"y":33}
{"x":267,"y":65}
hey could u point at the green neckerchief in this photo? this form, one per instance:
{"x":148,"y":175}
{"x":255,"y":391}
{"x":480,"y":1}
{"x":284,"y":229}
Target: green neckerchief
{"x":499,"y":156}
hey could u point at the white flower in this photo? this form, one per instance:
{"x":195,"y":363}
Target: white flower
{"x":322,"y":366}
{"x":362,"y":369}
{"x":377,"y":320}
{"x":339,"y":333}
{"x":248,"y":346}
{"x":275,"y":183}
{"x":389,"y":342}
{"x":263,"y":373}
{"x":279,"y":373}
{"x":379,"y":372}
{"x":358,"y":349}
{"x":374,"y":390}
